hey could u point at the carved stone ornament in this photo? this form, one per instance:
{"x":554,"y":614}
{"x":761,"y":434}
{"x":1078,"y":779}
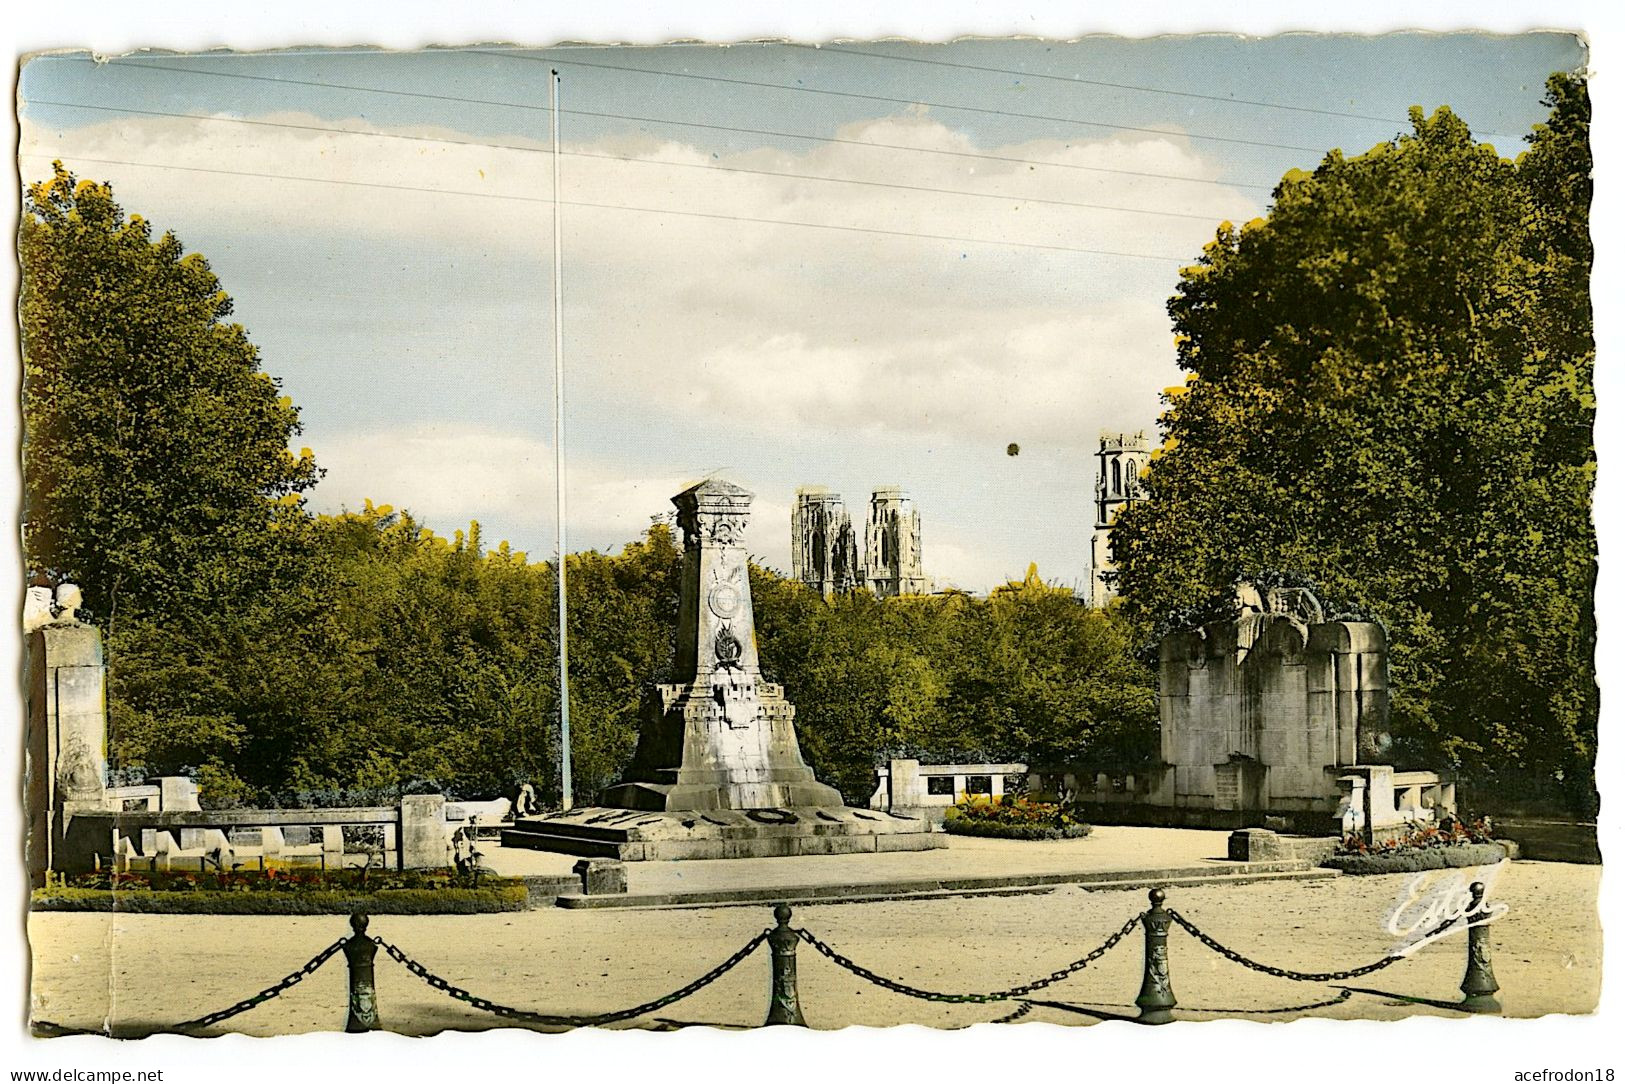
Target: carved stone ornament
{"x":728,"y":648}
{"x":1299,"y":603}
{"x":689,"y":522}
{"x":726,"y":528}
{"x":77,"y":774}
{"x":723,"y":600}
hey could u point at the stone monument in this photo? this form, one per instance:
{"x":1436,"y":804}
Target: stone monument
{"x":1277,"y":709}
{"x":718,"y":772}
{"x":65,"y":772}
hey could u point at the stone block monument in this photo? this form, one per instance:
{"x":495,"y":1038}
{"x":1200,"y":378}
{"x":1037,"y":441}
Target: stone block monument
{"x":1278,"y":709}
{"x":718,"y":772}
{"x":65,"y":770}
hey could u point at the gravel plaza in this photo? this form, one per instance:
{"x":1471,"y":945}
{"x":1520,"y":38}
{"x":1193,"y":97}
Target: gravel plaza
{"x":138,"y":973}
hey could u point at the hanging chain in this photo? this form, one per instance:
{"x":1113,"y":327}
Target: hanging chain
{"x":294,"y":979}
{"x":269,"y":992}
{"x":1284,"y":973}
{"x":999,"y":995}
{"x":486,"y":1005}
{"x":599,"y":1019}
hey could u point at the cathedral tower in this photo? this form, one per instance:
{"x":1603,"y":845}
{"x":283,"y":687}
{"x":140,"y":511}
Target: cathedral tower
{"x":1122,"y":457}
{"x":823,"y":546}
{"x":891,"y":546}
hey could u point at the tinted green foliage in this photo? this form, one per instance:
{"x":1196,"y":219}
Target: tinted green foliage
{"x":1390,"y":390}
{"x":156,"y":450}
{"x":439,"y":671}
{"x":1026,"y":674}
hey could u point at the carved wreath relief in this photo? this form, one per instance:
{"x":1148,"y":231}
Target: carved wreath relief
{"x":727,"y":648}
{"x":77,"y":771}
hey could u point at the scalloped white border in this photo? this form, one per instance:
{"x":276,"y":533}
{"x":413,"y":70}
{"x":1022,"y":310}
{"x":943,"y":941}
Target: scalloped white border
{"x":1224,"y":1051}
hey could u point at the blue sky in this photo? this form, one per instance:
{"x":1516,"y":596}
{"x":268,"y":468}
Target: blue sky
{"x":413,"y":329}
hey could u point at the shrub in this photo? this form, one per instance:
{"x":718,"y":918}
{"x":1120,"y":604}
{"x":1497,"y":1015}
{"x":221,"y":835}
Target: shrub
{"x":282,"y":881}
{"x":960,"y":826}
{"x":1422,"y":858}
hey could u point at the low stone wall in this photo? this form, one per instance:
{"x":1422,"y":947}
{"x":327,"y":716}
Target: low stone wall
{"x":413,"y":835}
{"x":912,"y":789}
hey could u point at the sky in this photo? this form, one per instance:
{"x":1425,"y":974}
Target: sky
{"x":872,"y":264}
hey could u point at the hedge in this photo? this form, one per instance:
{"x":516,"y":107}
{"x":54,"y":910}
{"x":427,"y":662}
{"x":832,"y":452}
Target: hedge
{"x":966,"y":826}
{"x":1414,"y":861}
{"x":505,"y":895}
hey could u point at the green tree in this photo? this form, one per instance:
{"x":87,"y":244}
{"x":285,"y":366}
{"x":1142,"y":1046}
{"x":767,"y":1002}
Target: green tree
{"x":1389,"y":389}
{"x":155,"y":449}
{"x":1028,"y":673}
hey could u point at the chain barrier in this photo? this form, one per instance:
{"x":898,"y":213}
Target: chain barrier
{"x":1000,"y":995}
{"x":597,"y":1020}
{"x":1286,"y":973}
{"x":275,"y":990}
{"x":756,"y":942}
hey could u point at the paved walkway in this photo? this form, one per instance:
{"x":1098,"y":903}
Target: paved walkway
{"x":1106,"y":849}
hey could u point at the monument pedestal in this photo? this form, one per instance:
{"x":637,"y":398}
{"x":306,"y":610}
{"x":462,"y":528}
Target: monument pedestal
{"x":718,"y":771}
{"x":633,"y":835}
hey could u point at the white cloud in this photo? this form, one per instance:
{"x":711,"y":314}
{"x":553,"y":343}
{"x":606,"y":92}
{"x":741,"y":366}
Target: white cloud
{"x":447,"y":477}
{"x":444,"y":477}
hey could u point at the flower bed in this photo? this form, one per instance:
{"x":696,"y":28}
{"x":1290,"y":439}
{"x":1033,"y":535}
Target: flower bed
{"x":283,"y":892}
{"x":1013,"y":818}
{"x":1451,"y":844}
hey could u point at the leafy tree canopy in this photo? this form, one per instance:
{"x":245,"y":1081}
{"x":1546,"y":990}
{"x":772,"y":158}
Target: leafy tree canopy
{"x":1389,"y":389}
{"x":155,"y":449}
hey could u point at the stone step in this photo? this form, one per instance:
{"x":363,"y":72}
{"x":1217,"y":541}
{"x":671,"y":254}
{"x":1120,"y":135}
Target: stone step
{"x":634,"y":836}
{"x":1014,"y":884}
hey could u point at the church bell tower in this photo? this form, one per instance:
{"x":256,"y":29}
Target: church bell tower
{"x":1121,"y":458}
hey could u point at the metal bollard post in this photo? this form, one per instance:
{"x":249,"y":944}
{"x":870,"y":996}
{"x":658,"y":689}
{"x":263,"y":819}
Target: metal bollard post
{"x":1156,"y":1000}
{"x":359,"y":950}
{"x":1479,"y":983}
{"x":784,"y":1004}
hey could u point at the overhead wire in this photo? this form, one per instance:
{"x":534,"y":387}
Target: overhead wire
{"x":712,"y":167}
{"x":459,"y":99}
{"x":983,"y":110}
{"x":1079,"y":80}
{"x":998,"y":242}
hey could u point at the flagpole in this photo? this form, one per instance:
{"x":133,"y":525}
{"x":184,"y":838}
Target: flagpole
{"x":566,"y":797}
